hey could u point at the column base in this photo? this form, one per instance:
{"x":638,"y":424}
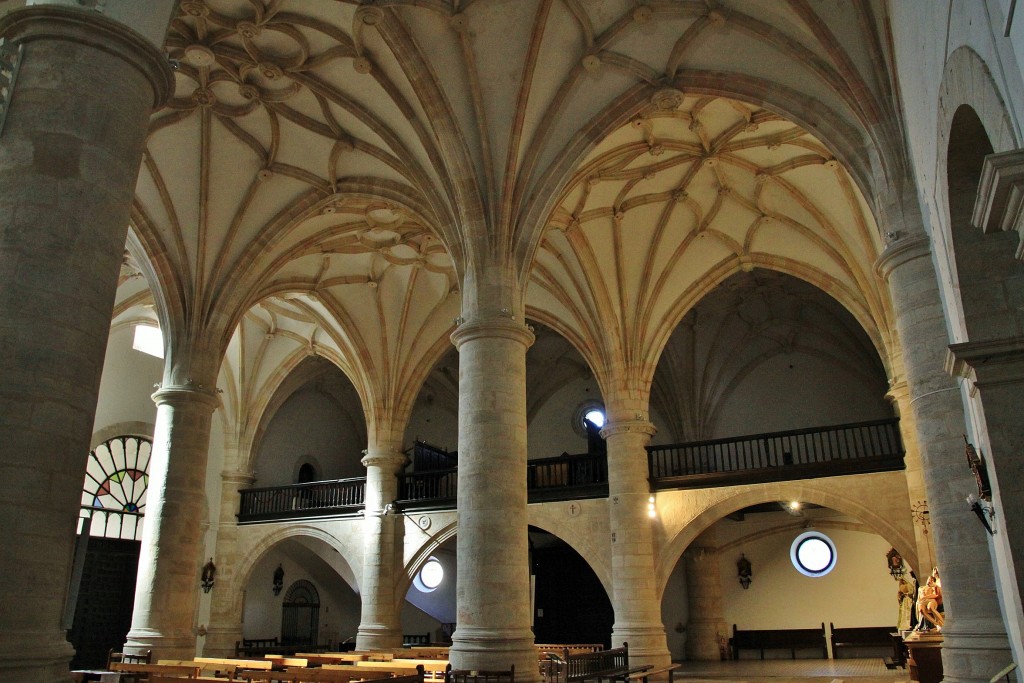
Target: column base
{"x":647,"y":643}
{"x":35,"y":657}
{"x":706,"y":640}
{"x":973,"y":657}
{"x":221,"y":641}
{"x":164,"y":646}
{"x":492,"y":649}
{"x":377,"y":637}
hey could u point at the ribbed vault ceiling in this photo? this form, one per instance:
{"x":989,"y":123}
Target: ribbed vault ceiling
{"x":327,"y":170}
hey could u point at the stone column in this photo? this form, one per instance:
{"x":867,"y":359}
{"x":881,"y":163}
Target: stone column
{"x":899,"y":395}
{"x":975,"y":643}
{"x":170,"y":562}
{"x":705,"y":623}
{"x":493,"y":593}
{"x":380,"y":624}
{"x":225,"y":627}
{"x":69,"y":157}
{"x":634,"y":579}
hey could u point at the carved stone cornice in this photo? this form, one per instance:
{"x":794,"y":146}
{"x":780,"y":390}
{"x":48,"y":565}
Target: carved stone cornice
{"x":999,"y":205}
{"x":55,"y":22}
{"x":988,"y":363}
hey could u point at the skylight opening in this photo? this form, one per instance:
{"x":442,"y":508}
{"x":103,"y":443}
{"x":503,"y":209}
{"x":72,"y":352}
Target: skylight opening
{"x":149,"y":339}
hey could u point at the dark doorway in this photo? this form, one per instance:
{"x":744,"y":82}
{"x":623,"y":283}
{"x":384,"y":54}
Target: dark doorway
{"x":570,"y":604}
{"x":300,"y":615}
{"x":103,"y":613}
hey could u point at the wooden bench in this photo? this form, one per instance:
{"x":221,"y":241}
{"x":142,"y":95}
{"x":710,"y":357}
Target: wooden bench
{"x":143,"y":672}
{"x":861,"y":637}
{"x":415,"y":639}
{"x":257,"y":647}
{"x":474,"y":676}
{"x":610,"y":665}
{"x":791,"y":639}
{"x":657,"y":673}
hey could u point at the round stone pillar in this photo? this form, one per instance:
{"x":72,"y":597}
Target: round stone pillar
{"x":705,"y":625}
{"x":225,"y":627}
{"x":924,"y":553}
{"x":380,"y":624}
{"x":493,"y":593}
{"x":166,"y":591}
{"x":975,"y":643}
{"x":634,"y":579}
{"x":69,"y":157}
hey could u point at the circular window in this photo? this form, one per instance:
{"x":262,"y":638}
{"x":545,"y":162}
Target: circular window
{"x":429,"y":576}
{"x":588,"y":410}
{"x":813,"y":554}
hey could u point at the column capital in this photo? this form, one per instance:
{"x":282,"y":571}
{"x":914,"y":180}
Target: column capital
{"x":58,"y":22}
{"x":902,"y":251}
{"x":237,"y":478}
{"x":385,"y":458}
{"x":177,"y":395}
{"x":638,"y":426}
{"x":486,"y":328}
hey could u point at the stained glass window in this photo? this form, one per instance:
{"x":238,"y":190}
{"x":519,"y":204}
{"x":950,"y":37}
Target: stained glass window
{"x":116,"y":479}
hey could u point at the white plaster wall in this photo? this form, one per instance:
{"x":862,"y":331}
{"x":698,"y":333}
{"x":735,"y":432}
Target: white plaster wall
{"x":549,"y":431}
{"x":433,"y":423}
{"x":430,"y":610}
{"x":858,"y":592}
{"x":339,"y":604}
{"x":798,"y":390}
{"x":675,"y":611}
{"x":126,"y":386}
{"x":309,"y":423}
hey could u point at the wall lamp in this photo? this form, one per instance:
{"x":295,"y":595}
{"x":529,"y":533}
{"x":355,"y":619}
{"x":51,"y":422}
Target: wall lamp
{"x":278,"y":579}
{"x":745,"y":571}
{"x":209,"y":575}
{"x":985,"y":511}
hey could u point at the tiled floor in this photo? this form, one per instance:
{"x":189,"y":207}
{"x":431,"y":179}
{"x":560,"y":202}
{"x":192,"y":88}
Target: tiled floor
{"x":799,"y":671}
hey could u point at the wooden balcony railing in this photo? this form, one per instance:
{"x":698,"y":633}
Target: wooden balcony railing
{"x":316,"y":499}
{"x":798,"y":454}
{"x":431,"y":490}
{"x":567,"y":477}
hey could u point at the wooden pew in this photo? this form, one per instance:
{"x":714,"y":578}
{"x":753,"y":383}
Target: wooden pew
{"x":140,"y":672}
{"x":791,"y":639}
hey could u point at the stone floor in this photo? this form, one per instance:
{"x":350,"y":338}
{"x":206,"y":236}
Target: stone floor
{"x":802,"y":671}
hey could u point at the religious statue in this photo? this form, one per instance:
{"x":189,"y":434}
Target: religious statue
{"x":905,"y":591}
{"x":929,"y":601}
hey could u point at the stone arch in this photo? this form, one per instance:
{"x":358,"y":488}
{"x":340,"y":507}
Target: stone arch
{"x":809,"y":491}
{"x":415,"y":561}
{"x":967,"y":81}
{"x":584,"y":532}
{"x":349,"y":554}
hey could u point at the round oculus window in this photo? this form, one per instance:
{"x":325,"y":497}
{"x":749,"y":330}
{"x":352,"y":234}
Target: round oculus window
{"x":429,"y":576}
{"x":813,"y":554}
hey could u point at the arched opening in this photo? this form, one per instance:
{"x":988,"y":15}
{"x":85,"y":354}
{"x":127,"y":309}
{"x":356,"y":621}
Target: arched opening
{"x":766,"y":352}
{"x":428,"y":611}
{"x":316,"y":432}
{"x":570,"y":604}
{"x":320,"y":606}
{"x":110,"y":528}
{"x":742,"y":571}
{"x":990,"y":277}
{"x":300,"y":615}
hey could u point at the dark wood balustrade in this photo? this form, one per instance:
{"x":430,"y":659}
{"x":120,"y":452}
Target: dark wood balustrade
{"x":315,"y":499}
{"x":856,"y":448}
{"x":798,"y":454}
{"x":567,"y":477}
